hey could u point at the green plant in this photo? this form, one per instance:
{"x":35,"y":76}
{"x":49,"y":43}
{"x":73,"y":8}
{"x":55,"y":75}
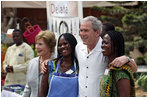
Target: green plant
{"x":128,"y":47}
{"x":140,"y":43}
{"x":142,"y":81}
{"x":3,"y":48}
{"x":131,"y":21}
{"x":145,"y":57}
{"x":140,"y":60}
{"x":35,"y":52}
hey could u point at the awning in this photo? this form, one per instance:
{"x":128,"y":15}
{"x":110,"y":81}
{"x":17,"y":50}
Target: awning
{"x":23,"y":4}
{"x":42,"y":4}
{"x":107,"y":4}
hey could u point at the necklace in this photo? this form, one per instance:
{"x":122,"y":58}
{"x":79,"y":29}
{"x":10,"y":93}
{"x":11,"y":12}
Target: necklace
{"x":40,"y":61}
{"x":66,"y":66}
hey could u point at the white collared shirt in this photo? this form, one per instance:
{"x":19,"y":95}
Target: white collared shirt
{"x":91,"y":69}
{"x":18,"y":57}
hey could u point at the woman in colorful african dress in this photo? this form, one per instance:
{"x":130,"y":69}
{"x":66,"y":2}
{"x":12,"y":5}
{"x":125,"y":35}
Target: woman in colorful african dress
{"x":117,"y":81}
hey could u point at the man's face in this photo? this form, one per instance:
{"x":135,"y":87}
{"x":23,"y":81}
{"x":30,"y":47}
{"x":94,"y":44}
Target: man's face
{"x":88,"y":35}
{"x":17,"y":38}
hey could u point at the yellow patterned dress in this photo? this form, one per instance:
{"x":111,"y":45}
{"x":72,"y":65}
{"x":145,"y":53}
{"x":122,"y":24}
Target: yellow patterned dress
{"x":108,"y":82}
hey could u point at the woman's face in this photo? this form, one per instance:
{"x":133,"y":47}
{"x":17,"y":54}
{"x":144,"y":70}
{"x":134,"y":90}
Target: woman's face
{"x":107,"y":47}
{"x":42,"y":48}
{"x":64,"y":47}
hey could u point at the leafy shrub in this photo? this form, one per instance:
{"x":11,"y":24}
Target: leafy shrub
{"x":140,"y":60}
{"x":128,"y":47}
{"x":142,"y":81}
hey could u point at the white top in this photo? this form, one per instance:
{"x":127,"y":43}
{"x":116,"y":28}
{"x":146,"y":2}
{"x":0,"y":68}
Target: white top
{"x":33,"y":83}
{"x":6,"y":93}
{"x":18,"y":57}
{"x":91,"y":69}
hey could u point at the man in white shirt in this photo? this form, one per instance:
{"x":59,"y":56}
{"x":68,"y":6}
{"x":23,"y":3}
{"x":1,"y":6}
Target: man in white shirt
{"x":16,"y":60}
{"x":92,"y":63}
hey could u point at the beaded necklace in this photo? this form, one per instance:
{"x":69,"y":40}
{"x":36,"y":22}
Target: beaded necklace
{"x":108,"y":91}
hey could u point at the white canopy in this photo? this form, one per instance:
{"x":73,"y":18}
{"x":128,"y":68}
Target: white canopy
{"x":42,"y":4}
{"x":23,"y":4}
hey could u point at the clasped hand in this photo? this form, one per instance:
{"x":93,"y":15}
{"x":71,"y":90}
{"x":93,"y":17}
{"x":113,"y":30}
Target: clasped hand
{"x":9,"y":68}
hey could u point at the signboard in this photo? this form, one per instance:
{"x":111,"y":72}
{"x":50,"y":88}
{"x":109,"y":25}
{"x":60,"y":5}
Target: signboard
{"x":63,"y":9}
{"x":64,"y":17}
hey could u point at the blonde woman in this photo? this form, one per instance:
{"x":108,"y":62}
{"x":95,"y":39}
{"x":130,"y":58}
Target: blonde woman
{"x":45,"y":45}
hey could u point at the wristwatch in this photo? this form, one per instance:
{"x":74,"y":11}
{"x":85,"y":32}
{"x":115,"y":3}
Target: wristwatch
{"x":128,"y":60}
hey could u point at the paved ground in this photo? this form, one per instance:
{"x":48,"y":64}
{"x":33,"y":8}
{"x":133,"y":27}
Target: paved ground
{"x":140,"y":92}
{"x":142,"y":68}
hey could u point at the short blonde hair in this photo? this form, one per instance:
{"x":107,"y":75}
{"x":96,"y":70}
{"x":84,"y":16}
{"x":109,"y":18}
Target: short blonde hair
{"x":48,"y":37}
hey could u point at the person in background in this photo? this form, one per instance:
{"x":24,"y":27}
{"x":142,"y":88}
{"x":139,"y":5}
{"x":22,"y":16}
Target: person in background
{"x":107,"y":26}
{"x":64,"y":65}
{"x":45,"y":44}
{"x":92,"y":63}
{"x":16,"y":60}
{"x":118,"y":82}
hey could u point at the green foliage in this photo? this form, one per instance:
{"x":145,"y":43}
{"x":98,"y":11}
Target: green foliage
{"x":119,"y":29}
{"x":106,"y":18}
{"x":137,"y":38}
{"x":142,"y":81}
{"x":119,"y":10}
{"x":111,"y":19}
{"x":129,"y":47}
{"x":131,"y":21}
{"x":140,"y":60}
{"x":112,"y":11}
{"x":145,"y":57}
{"x":135,"y":23}
{"x":35,"y":52}
{"x":3,"y":48}
{"x":140,"y":43}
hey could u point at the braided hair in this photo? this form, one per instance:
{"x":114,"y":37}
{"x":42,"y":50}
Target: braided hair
{"x":117,"y":41}
{"x":107,"y":26}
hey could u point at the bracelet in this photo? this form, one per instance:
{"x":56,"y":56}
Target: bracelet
{"x":128,"y":60}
